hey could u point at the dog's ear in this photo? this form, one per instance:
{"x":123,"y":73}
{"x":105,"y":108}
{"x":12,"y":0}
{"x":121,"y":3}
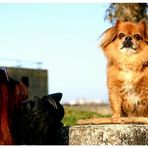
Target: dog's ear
{"x":117,"y":23}
{"x":109,"y":35}
{"x":143,"y":29}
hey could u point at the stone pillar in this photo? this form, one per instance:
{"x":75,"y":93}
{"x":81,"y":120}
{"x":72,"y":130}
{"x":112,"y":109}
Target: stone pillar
{"x":107,"y":134}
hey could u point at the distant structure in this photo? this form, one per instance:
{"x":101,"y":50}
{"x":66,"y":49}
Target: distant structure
{"x":35,"y":79}
{"x":84,"y":101}
{"x":20,"y":63}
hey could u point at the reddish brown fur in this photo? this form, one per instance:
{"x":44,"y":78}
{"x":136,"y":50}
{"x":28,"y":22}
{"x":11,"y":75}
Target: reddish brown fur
{"x":127,"y":74}
{"x":10,"y":98}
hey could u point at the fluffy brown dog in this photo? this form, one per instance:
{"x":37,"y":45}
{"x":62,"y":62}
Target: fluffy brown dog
{"x":126,"y":47}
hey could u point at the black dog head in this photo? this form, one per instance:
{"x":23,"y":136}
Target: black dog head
{"x":52,"y":104}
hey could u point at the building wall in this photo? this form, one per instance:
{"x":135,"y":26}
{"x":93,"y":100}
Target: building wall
{"x":36,"y":79}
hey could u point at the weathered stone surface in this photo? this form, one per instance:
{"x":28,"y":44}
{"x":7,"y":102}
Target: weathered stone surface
{"x":111,"y":134}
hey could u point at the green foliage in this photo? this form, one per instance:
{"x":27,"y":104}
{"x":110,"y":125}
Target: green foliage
{"x":72,"y":115}
{"x":127,"y":12}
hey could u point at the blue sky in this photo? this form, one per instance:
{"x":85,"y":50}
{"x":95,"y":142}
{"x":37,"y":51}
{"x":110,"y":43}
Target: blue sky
{"x":64,"y":38}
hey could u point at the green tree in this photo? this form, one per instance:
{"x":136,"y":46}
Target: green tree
{"x":126,"y":12}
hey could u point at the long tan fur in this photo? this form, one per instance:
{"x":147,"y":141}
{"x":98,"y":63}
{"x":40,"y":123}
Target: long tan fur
{"x":127,"y":73}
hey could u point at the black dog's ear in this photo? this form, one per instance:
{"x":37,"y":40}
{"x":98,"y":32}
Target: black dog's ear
{"x":52,"y":102}
{"x":53,"y":99}
{"x":56,"y":97}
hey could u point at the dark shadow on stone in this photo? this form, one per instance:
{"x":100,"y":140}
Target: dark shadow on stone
{"x":61,"y":136}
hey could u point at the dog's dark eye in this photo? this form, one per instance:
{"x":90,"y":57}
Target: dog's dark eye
{"x":121,"y":35}
{"x":137,"y":37}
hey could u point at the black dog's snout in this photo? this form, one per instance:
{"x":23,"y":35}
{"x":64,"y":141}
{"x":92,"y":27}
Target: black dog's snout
{"x":128,"y":38}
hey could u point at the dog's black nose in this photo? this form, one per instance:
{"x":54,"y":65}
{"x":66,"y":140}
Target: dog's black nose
{"x":128,"y":42}
{"x":128,"y":38}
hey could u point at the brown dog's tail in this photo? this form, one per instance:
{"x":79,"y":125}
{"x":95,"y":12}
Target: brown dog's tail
{"x":121,"y":120}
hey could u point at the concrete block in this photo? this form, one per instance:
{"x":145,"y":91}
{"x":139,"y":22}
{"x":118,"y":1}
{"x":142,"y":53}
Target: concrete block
{"x":105,"y":134}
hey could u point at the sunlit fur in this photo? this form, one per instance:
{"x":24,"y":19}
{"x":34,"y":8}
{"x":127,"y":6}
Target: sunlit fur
{"x":127,"y":70}
{"x":11,"y":95}
{"x":127,"y":74}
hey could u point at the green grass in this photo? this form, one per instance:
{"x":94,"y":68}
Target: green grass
{"x":72,"y":115}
